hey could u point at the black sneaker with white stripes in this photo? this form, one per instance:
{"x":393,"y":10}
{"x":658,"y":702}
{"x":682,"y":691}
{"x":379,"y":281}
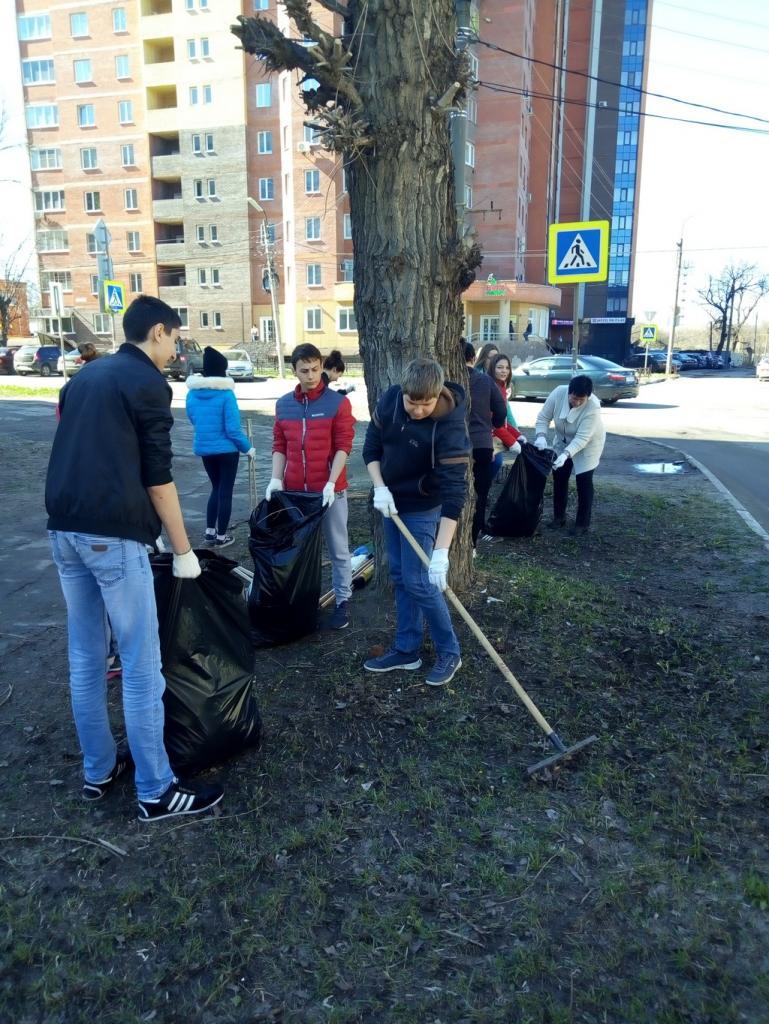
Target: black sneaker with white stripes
{"x":181,"y":798}
{"x":96,"y":790}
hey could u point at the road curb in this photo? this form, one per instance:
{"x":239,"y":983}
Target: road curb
{"x":750,"y":521}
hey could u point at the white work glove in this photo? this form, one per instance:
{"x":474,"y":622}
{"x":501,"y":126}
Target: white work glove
{"x":384,"y":502}
{"x":515,"y":448}
{"x":561,"y":460}
{"x":160,"y":546}
{"x":275,"y":484}
{"x":438,"y":570}
{"x":251,"y":453}
{"x":540,"y":441}
{"x":329,"y":494}
{"x":522,"y":439}
{"x":186,"y":566}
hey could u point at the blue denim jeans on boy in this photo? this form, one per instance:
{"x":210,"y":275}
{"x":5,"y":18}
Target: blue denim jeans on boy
{"x":100,"y":577}
{"x":416,"y":599}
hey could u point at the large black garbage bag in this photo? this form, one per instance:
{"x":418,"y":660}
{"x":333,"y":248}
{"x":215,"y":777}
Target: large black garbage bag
{"x":518,"y":509}
{"x":285,"y":545}
{"x":210,"y":706}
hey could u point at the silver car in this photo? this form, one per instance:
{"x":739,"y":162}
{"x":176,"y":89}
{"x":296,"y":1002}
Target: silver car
{"x":762,"y":368}
{"x":239,"y":365}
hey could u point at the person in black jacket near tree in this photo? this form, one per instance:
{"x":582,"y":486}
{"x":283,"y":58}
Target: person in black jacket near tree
{"x":417,"y":451}
{"x":108,"y":490}
{"x":487,"y":411}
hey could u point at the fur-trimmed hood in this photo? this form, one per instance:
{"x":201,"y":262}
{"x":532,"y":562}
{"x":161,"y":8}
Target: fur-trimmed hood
{"x":197,"y":382}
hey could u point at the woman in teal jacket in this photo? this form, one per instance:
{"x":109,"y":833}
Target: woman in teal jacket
{"x":219,"y":440}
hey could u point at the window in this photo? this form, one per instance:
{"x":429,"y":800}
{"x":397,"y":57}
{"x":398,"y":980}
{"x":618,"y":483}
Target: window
{"x":193,"y":95}
{"x":312,"y":229}
{"x":346,"y":318}
{"x":42,"y":115}
{"x":35,"y":72}
{"x":86,"y":115}
{"x":470,"y":154}
{"x":119,"y":20}
{"x":52,"y":241}
{"x":125,"y":110}
{"x":266,"y":188}
{"x":127,"y":156}
{"x":212,"y":188}
{"x":216,"y":277}
{"x":94,"y":279}
{"x":34,"y":26}
{"x":213,"y":233}
{"x":131,"y":196}
{"x":472,"y":110}
{"x":313,"y":318}
{"x":133,"y":241}
{"x":261,"y":5}
{"x":135,"y":282}
{"x":122,"y":66}
{"x":347,"y":226}
{"x":181,"y":311}
{"x":264,"y":142}
{"x":90,"y":244}
{"x":197,"y":188}
{"x":101,"y":323}
{"x":45,"y":159}
{"x":89,"y":159}
{"x":92,"y":202}
{"x":48,"y":201}
{"x":202,"y":277}
{"x":311,"y":135}
{"x":344,"y":179}
{"x":78,"y":25}
{"x":468,"y":197}
{"x":314,"y":278}
{"x":210,"y":143}
{"x":267,"y":233}
{"x":207,"y":94}
{"x":217,"y":321}
{"x":474,"y":65}
{"x":311,"y":182}
{"x":189,"y":5}
{"x":203,"y":5}
{"x":197,"y":148}
{"x":200,"y":233}
{"x":62,"y":277}
{"x":204,"y":320}
{"x":192,"y":49}
{"x":205,"y":48}
{"x":83,"y":71}
{"x":347,"y":270}
{"x":264,"y":94}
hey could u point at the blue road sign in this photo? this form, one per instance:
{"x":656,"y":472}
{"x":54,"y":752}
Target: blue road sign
{"x":578,"y":252}
{"x":114,"y":296}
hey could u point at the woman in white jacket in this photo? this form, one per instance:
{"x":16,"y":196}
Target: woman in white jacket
{"x":578,"y":442}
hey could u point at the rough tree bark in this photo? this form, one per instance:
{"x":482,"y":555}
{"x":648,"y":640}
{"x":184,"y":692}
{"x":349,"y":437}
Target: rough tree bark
{"x":385,"y":89}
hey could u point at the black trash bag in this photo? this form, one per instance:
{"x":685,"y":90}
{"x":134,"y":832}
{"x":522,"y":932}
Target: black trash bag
{"x":518,"y":509}
{"x":285,"y":545}
{"x":210,"y":706}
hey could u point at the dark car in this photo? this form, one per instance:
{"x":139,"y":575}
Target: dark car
{"x":42,"y":359}
{"x":188,"y":360}
{"x":7,"y":353}
{"x":537,"y":378}
{"x":656,"y":362}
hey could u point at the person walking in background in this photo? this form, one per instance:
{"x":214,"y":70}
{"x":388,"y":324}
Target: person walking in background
{"x":578,"y":442}
{"x":87,"y":352}
{"x":333,"y":368}
{"x":213,"y":411}
{"x":487,"y":412}
{"x":108,"y":490}
{"x":487,"y":353}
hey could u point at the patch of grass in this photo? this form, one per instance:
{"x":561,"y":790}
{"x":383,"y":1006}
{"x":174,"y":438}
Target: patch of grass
{"x":10,"y":391}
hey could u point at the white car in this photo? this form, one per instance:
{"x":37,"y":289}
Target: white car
{"x":74,"y":363}
{"x":762,"y":368}
{"x":239,"y":365}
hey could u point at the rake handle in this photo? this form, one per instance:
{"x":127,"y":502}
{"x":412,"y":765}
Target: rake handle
{"x":525,"y":699}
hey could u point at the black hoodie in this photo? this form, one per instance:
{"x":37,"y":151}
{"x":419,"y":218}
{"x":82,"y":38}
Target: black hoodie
{"x":423,"y":462}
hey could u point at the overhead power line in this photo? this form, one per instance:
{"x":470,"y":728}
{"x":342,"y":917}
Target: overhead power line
{"x":712,"y":14}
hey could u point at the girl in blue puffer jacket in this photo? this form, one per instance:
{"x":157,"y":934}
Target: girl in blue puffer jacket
{"x":214,"y":414}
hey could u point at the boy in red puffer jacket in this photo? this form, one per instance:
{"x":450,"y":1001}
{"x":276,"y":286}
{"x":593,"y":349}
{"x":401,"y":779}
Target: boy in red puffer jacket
{"x":311,"y":441}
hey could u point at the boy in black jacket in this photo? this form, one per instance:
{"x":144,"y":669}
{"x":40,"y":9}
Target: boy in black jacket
{"x":108,"y":490}
{"x":417,"y":452}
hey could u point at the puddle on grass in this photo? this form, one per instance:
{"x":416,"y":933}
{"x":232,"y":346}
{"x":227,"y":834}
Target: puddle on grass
{"x":660,"y":467}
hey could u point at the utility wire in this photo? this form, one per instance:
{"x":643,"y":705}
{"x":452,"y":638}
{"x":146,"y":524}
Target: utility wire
{"x":711,"y":39}
{"x":712,"y":14}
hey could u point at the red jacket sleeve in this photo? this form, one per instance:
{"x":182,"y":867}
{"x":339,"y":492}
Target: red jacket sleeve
{"x":343,"y":433}
{"x":278,"y":438}
{"x":507,"y":435}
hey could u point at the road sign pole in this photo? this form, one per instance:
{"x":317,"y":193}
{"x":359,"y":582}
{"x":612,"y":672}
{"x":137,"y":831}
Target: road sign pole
{"x":671,"y":340}
{"x":112,"y":321}
{"x":57,"y":303}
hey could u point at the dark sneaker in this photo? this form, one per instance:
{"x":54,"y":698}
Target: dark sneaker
{"x":209,"y":539}
{"x":96,"y":790}
{"x":340,"y":617}
{"x":443,"y":671}
{"x":391,"y":660}
{"x":224,"y":542}
{"x":181,"y":798}
{"x":556,"y":524}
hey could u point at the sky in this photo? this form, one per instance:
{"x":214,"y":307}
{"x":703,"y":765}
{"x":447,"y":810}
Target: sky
{"x":705,"y":184}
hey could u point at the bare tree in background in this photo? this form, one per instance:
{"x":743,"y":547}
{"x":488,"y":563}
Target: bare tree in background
{"x":731,"y":298}
{"x":13,"y":291}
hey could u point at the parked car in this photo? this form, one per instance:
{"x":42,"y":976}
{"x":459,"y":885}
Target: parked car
{"x":538,"y":377}
{"x":688,"y":360}
{"x":188,"y":359}
{"x":42,"y":359}
{"x":762,"y":368}
{"x":656,"y":361}
{"x":74,"y":362}
{"x":239,"y":365}
{"x":7,"y":353}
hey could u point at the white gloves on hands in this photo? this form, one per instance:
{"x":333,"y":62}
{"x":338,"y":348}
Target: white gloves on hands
{"x":438,"y":570}
{"x":522,"y":439}
{"x":515,"y":449}
{"x":384,"y":502}
{"x":540,"y":441}
{"x":561,"y":460}
{"x":251,"y":453}
{"x":275,"y":484}
{"x":186,"y":566}
{"x":329,"y":494}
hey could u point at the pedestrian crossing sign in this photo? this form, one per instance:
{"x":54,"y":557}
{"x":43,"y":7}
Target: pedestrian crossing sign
{"x":648,"y":334}
{"x":114,"y":296}
{"x":578,"y":252}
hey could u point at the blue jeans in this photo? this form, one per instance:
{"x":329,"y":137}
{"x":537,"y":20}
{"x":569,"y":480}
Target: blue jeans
{"x":416,"y":599}
{"x":100,"y":577}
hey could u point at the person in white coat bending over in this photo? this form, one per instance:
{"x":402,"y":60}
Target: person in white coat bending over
{"x":578,"y":442}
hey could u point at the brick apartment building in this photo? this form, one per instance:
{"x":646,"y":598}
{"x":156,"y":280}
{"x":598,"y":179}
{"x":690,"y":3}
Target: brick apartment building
{"x":144,"y":113}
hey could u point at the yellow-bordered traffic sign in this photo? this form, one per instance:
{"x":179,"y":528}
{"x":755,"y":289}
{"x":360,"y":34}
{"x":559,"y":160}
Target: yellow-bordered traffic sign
{"x":578,"y":252}
{"x":648,"y":334}
{"x":114,"y":296}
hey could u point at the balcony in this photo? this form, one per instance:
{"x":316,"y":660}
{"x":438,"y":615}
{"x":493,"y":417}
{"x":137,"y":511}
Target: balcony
{"x":154,"y":25}
{"x":168,"y":211}
{"x":170,"y":252}
{"x":160,"y":75}
{"x":167,"y":167}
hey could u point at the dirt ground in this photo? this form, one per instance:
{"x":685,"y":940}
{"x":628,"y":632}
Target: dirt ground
{"x":383,"y":856}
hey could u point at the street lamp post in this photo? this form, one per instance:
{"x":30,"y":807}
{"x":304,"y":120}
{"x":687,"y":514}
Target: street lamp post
{"x":270,"y":253}
{"x":671,"y":341}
